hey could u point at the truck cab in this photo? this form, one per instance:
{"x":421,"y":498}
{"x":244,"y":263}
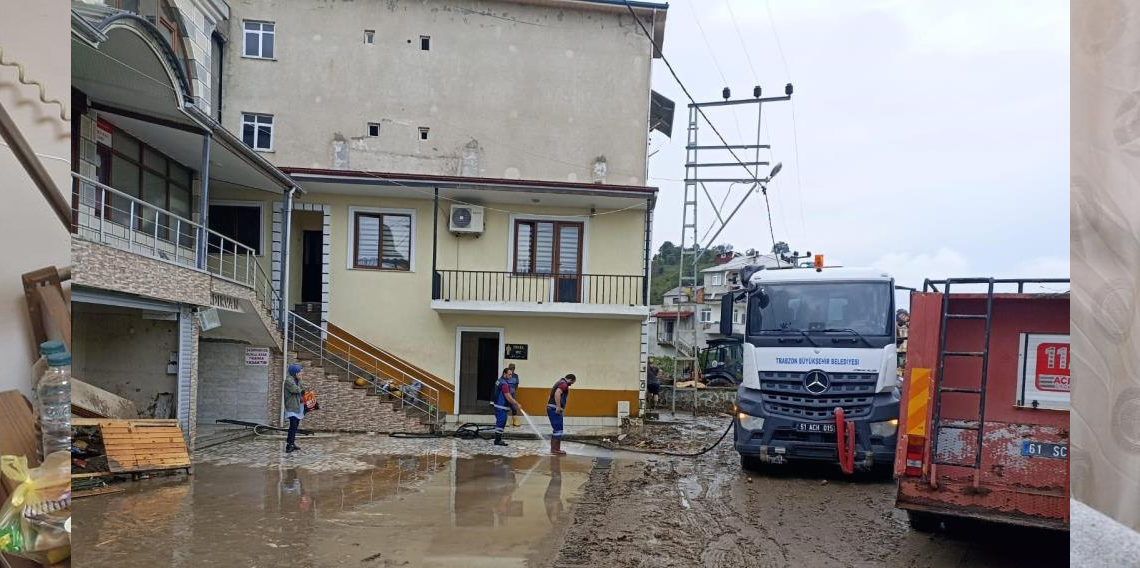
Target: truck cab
{"x":819,"y":367}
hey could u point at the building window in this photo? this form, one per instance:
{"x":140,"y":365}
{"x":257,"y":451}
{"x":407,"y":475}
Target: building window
{"x":424,"y":132}
{"x":548,"y":247}
{"x":258,"y":40}
{"x":738,"y":317}
{"x":238,"y":221}
{"x":257,"y":131}
{"x":382,"y":240}
{"x":425,"y":43}
{"x":715,"y":279}
{"x":706,"y":315}
{"x":370,"y":36}
{"x":144,"y":173}
{"x":373,"y":129}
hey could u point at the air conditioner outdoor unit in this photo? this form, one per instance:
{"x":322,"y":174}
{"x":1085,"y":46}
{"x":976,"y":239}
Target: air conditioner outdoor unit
{"x":208,"y":319}
{"x":466,"y":219}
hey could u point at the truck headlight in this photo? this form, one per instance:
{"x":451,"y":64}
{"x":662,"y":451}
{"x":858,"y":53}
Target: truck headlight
{"x":749,"y":422}
{"x":885,"y":429}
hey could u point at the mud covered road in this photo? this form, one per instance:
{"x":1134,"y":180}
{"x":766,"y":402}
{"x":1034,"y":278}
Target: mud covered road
{"x":707,"y":512}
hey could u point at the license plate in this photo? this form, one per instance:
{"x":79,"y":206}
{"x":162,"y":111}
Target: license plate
{"x":820,"y":427}
{"x":1041,"y":450}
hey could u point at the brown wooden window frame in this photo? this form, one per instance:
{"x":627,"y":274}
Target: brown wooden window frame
{"x":555,"y":251}
{"x":356,"y":215}
{"x":169,"y":182}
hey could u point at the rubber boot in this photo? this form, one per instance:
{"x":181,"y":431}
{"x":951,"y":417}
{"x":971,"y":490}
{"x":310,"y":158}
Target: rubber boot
{"x":499,"y":440}
{"x":515,"y":420}
{"x":556,"y":447}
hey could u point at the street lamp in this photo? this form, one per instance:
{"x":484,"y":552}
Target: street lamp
{"x":775,"y":170}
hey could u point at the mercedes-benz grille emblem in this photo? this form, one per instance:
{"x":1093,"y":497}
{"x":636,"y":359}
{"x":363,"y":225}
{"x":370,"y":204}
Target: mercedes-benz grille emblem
{"x":816,"y":382}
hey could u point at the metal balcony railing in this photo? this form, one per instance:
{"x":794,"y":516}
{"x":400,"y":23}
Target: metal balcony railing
{"x":106,"y":215}
{"x":488,"y":286}
{"x":355,"y":363}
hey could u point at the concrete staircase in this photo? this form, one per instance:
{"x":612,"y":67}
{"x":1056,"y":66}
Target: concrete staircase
{"x":346,"y":406}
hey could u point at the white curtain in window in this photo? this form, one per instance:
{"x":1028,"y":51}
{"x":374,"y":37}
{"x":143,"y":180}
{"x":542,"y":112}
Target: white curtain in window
{"x":1105,"y":224}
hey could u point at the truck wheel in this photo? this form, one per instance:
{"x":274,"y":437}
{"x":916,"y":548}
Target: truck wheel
{"x":922,"y":521}
{"x":749,"y":463}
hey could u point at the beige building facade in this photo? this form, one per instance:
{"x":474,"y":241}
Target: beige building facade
{"x":533,"y":115}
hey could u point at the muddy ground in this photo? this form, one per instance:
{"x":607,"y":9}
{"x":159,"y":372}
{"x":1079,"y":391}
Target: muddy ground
{"x":373,"y":501}
{"x":708,"y":512}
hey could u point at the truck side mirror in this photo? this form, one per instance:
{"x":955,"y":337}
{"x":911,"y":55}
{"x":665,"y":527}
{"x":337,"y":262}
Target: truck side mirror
{"x":726,"y":304}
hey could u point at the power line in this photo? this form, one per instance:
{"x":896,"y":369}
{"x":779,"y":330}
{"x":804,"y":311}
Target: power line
{"x":716,"y":63}
{"x":673,"y":72}
{"x":795,"y":128}
{"x":740,"y":36}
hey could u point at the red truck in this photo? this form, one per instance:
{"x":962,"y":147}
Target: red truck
{"x":984,"y":410}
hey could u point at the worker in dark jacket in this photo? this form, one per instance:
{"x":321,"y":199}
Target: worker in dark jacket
{"x":555,"y":408}
{"x":514,"y":382}
{"x":503,"y":402}
{"x":294,"y":407}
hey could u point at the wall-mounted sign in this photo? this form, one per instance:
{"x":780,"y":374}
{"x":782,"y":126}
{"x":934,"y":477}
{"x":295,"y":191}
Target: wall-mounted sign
{"x":256,"y":356}
{"x":1043,"y":371}
{"x":516,"y":351}
{"x":104,"y":132}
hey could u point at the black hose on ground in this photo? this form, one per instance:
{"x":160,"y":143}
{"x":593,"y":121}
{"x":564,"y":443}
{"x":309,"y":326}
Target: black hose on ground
{"x":470,"y":430}
{"x":661,"y":452}
{"x":467,"y":431}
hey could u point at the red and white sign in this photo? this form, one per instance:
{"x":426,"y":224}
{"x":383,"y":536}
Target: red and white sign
{"x":1043,"y":371}
{"x":1052,"y":367}
{"x":104,"y":132}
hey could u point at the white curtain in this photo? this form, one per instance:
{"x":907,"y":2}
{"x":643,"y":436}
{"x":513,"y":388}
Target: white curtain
{"x":1105,"y":226}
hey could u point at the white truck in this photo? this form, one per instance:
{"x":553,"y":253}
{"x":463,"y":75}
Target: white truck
{"x":819,"y":367}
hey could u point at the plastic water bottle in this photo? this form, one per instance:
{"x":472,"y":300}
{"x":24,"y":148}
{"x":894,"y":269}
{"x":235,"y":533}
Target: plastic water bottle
{"x":54,"y":404}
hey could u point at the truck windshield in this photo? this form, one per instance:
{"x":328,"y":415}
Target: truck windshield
{"x":815,"y":307}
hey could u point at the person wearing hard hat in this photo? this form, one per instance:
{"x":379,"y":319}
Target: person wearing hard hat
{"x":294,"y":407}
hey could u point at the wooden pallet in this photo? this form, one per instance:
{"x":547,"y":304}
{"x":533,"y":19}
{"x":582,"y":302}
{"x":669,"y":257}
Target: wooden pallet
{"x":135,"y":446}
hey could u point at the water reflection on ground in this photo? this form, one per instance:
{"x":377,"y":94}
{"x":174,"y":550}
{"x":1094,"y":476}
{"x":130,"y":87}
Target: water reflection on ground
{"x":401,"y":510}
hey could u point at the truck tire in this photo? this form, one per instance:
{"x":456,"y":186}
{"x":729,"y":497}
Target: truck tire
{"x":749,"y":463}
{"x":924,"y":522}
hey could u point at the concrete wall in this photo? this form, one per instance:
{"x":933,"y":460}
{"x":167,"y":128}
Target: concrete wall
{"x":117,"y":350}
{"x":227,"y":387}
{"x":31,"y":237}
{"x":508,"y":89}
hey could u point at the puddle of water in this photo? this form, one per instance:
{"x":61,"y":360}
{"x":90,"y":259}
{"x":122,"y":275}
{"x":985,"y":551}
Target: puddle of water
{"x":425,"y":510}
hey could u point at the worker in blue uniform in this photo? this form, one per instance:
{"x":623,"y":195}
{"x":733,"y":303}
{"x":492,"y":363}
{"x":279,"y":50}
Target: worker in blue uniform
{"x":514,"y":382}
{"x":555,"y":409}
{"x":503,"y":402}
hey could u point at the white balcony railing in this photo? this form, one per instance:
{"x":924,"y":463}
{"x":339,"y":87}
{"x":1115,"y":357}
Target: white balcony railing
{"x":106,"y":215}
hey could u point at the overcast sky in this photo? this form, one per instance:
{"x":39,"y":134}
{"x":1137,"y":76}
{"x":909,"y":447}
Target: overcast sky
{"x":932,"y":136}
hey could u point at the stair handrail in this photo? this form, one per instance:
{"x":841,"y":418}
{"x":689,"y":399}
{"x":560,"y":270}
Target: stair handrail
{"x":433,"y":399}
{"x":436,"y":381}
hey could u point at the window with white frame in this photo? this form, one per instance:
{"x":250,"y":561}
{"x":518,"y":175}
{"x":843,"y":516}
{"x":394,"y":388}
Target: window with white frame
{"x":382,"y":239}
{"x":706,"y":315}
{"x":373,"y":129}
{"x":257,"y":131}
{"x":738,"y":317}
{"x":259,"y":38}
{"x":715,"y":279}
{"x":369,"y":36}
{"x":547,"y":247}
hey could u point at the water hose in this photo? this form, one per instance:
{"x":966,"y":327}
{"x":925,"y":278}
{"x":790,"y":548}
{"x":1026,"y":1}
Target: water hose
{"x":470,"y":430}
{"x":845,"y":441}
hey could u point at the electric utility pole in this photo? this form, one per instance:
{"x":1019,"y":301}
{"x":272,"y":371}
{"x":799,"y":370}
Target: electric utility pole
{"x":723,"y":156}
